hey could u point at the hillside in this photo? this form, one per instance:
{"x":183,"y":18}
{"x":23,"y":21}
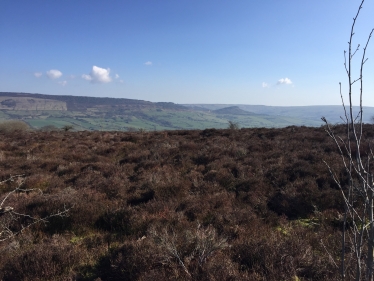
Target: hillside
{"x":114,"y":114}
{"x":260,"y":201}
{"x":30,"y":103}
{"x":233,"y":110}
{"x":311,"y":113}
{"x":80,"y":103}
{"x":91,"y":113}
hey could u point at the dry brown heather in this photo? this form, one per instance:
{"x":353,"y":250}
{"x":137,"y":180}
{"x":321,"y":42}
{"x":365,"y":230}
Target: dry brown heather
{"x":249,"y":204}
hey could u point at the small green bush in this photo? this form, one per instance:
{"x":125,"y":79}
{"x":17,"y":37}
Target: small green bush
{"x":67,"y":128}
{"x":233,"y":125}
{"x":48,"y":128}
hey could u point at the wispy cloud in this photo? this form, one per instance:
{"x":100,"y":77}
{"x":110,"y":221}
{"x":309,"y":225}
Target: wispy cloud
{"x":54,"y":74}
{"x":148,"y":63}
{"x":98,"y":75}
{"x":118,"y":79}
{"x":63,"y":83}
{"x":285,"y":81}
{"x":38,"y":74}
{"x":86,"y":77}
{"x":265,"y":85}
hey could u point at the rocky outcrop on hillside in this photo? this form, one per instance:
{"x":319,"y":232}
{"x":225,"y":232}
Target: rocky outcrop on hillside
{"x":28,"y":103}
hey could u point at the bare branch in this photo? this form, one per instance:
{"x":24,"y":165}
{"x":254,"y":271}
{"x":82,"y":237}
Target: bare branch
{"x":5,"y":231}
{"x":358,"y":194}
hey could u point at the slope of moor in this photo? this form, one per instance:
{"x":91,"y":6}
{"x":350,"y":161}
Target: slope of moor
{"x":249,"y":204}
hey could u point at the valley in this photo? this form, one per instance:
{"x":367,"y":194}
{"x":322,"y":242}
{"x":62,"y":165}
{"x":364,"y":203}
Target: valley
{"x":112,"y":114}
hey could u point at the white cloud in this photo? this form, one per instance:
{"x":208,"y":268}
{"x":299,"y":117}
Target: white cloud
{"x":86,"y":77}
{"x":148,"y":63}
{"x":38,"y":74}
{"x":63,"y":83}
{"x":54,"y":74}
{"x":284,"y":81}
{"x":116,"y":76}
{"x":98,"y":75}
{"x":265,"y":85}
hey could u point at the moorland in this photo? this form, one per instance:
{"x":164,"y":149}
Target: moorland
{"x":214,"y":204}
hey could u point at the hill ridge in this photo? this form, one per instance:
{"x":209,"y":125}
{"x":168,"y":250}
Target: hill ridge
{"x":83,"y":102}
{"x":234,"y":110}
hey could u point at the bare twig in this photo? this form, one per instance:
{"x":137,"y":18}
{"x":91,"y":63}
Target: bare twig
{"x":6,"y":231}
{"x":360,"y":188}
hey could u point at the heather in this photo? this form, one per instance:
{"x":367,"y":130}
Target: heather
{"x":248,"y":204}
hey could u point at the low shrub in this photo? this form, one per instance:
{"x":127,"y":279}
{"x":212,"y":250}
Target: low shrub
{"x":13,"y":126}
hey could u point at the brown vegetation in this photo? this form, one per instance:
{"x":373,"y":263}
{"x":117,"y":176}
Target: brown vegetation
{"x":248,"y":204}
{"x":10,"y":126}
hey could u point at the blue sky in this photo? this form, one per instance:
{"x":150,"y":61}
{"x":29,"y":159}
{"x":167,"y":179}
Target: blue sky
{"x":184,"y":51}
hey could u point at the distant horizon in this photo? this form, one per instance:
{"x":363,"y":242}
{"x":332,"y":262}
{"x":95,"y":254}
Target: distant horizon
{"x":232,"y":104}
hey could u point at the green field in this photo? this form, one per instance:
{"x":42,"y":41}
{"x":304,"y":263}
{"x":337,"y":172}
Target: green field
{"x":110,"y":114}
{"x":150,"y":120}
